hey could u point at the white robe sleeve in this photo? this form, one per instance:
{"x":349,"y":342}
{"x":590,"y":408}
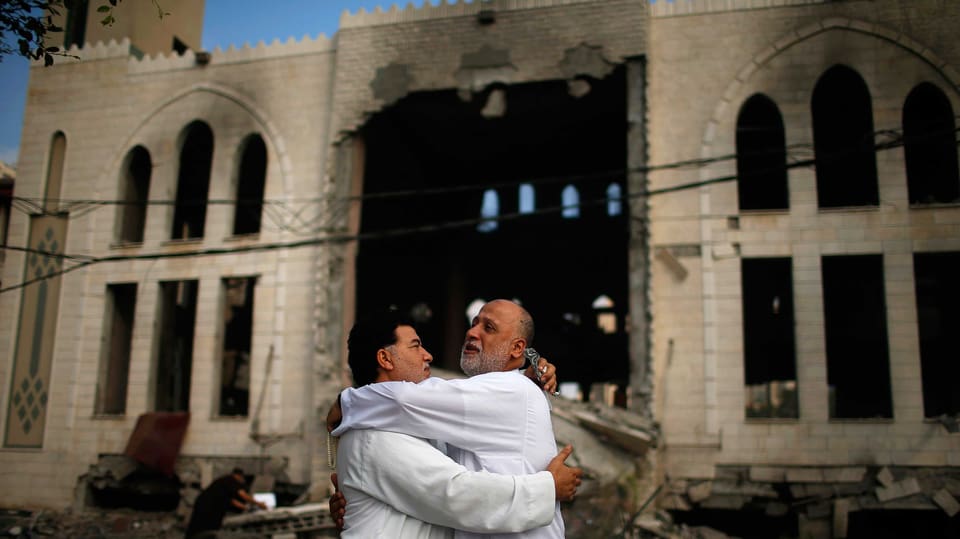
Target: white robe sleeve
{"x":417,"y":479}
{"x":485,"y":413}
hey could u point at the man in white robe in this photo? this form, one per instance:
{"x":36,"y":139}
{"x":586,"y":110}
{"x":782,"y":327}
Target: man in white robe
{"x":496,"y":421}
{"x":402,"y":486}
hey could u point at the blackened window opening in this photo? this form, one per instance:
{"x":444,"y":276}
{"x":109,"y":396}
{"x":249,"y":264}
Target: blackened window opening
{"x":769,"y":348}
{"x":121,"y":301}
{"x":761,"y":156}
{"x":437,"y":143}
{"x":177,"y":317}
{"x":75,"y":30}
{"x":251,"y":177}
{"x":855,"y":320}
{"x":237,"y":337}
{"x":930,"y":146}
{"x":843,"y":140}
{"x":193,"y":183}
{"x":937,"y":280}
{"x":135,"y":192}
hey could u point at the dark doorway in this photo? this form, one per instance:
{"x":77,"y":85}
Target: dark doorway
{"x":434,"y":161}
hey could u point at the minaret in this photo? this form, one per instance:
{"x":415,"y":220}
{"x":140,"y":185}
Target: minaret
{"x":153,"y":26}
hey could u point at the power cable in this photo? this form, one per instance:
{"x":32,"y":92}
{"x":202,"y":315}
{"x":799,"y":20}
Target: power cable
{"x":343,"y":238}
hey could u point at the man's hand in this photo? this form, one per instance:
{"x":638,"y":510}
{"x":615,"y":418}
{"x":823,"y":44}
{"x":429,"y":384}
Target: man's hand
{"x":334,"y":415}
{"x":565,"y":479}
{"x":338,"y":504}
{"x":548,"y":376}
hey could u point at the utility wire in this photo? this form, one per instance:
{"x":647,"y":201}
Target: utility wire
{"x":67,"y":204}
{"x":344,"y":238}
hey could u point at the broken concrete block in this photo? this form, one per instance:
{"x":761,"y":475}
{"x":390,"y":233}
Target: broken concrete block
{"x":947,"y":502}
{"x":841,"y":510}
{"x":900,"y":489}
{"x":885,"y":477}
{"x":700,"y":491}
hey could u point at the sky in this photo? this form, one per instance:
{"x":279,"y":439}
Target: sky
{"x":225,"y":22}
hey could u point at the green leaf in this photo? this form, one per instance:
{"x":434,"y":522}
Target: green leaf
{"x":103,"y":9}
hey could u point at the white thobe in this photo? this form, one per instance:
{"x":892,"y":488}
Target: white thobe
{"x":498,"y":422}
{"x":399,"y":486}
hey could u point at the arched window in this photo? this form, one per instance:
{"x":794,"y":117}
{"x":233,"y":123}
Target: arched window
{"x":134,"y":192}
{"x":55,"y":162}
{"x":614,"y":200}
{"x":196,"y":156}
{"x":570,"y":198}
{"x":489,"y":211}
{"x":251,"y":176}
{"x":843,"y":140}
{"x":761,"y":156}
{"x":527,"y":198}
{"x":930,"y":147}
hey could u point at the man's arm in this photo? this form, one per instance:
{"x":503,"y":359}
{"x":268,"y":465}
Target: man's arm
{"x":482,"y":413}
{"x":416,"y":479}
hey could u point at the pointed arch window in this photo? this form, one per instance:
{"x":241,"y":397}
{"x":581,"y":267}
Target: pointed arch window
{"x":134,"y":192}
{"x":527,"y":198}
{"x":251,"y":176}
{"x":193,"y":183}
{"x":761,"y":156}
{"x":843,"y":140}
{"x":614,"y":200}
{"x":489,"y":211}
{"x":570,"y":198}
{"x":930,"y":147}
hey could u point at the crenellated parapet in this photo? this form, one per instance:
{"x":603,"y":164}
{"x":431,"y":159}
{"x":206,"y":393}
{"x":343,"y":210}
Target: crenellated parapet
{"x":672,"y":8}
{"x":233,"y":55}
{"x":443,"y":9}
{"x":93,"y":51}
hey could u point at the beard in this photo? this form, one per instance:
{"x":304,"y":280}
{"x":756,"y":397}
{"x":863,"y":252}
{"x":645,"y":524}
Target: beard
{"x":484,"y":361}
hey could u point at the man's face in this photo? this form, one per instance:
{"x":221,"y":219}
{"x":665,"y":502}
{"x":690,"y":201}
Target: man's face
{"x":411,"y":361}
{"x":488,"y":342}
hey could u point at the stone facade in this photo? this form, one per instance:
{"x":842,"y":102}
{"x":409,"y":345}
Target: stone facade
{"x":691,"y":66}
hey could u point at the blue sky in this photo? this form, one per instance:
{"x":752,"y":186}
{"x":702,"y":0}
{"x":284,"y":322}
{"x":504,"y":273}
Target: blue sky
{"x":226,"y":22}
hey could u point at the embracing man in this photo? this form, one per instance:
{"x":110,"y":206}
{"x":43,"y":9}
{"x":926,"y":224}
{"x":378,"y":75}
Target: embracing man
{"x":496,"y":421}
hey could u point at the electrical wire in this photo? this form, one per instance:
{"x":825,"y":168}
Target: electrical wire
{"x":84,"y":261}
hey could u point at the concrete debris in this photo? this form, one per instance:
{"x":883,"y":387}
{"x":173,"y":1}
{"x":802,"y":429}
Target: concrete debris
{"x":900,"y":489}
{"x":312,"y":517}
{"x":885,"y":477}
{"x":699,"y":492}
{"x":496,"y":105}
{"x":947,"y":502}
{"x":118,"y":523}
{"x":841,"y":510}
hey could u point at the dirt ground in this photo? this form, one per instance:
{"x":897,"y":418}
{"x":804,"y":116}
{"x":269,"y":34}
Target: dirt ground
{"x":90,"y":524}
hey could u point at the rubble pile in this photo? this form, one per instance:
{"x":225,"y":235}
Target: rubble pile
{"x":90,"y":524}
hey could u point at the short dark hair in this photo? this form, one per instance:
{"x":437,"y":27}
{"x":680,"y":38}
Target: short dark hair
{"x":238,"y":471}
{"x":369,"y":334}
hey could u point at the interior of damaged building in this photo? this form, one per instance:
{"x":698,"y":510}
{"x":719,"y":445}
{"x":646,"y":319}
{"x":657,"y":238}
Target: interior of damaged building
{"x":736,"y":224}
